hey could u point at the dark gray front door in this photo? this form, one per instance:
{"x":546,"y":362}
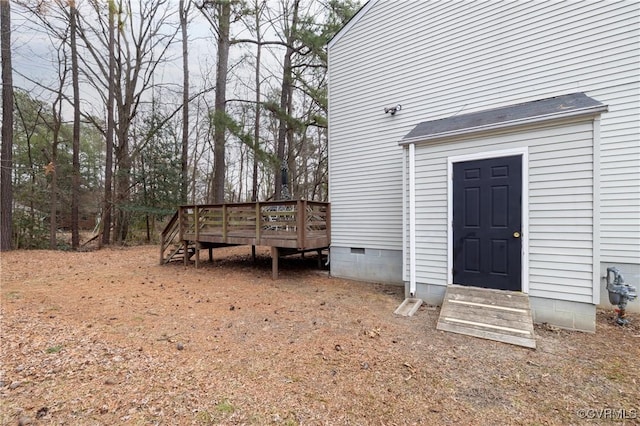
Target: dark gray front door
{"x":487,"y":222}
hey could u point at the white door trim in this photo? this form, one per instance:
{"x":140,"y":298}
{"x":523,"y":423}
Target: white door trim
{"x":524,"y":152}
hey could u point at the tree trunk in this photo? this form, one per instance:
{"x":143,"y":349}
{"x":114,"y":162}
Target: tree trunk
{"x":222,"y":69}
{"x":55,"y":128}
{"x":108,"y":166}
{"x":185,"y":104}
{"x":145,"y":198}
{"x":126,"y":74}
{"x":6,"y":163}
{"x":75,"y":191}
{"x":32,"y":190}
{"x":123,"y":175}
{"x":53,"y":219}
{"x":285,"y":102}
{"x":256,"y":129}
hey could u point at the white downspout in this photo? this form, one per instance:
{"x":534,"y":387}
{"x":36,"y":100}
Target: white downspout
{"x":412,"y":219}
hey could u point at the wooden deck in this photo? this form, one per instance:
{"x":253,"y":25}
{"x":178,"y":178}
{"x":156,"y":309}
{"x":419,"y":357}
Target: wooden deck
{"x":286,"y":226}
{"x":499,"y":315}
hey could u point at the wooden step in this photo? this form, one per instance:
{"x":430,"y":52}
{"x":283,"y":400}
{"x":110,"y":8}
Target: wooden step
{"x":178,"y":253}
{"x":504,"y":316}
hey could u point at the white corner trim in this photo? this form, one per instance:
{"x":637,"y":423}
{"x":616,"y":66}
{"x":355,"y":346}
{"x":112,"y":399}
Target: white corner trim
{"x":596,"y":211}
{"x":525,"y":220}
{"x":524,"y":152}
{"x":412,"y":220}
{"x":353,"y":21}
{"x":508,"y":124}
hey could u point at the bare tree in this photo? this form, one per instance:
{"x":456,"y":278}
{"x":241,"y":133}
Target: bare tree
{"x":279,"y":122}
{"x":184,"y":11}
{"x":259,"y":6}
{"x":140,"y":45}
{"x":109,"y":136}
{"x":6,"y":163}
{"x":218,"y":13}
{"x":60,"y":26}
{"x":286,"y":97}
{"x":75,"y":192}
{"x":55,"y":126}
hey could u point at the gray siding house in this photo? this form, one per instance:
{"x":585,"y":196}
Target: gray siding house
{"x":513,"y":124}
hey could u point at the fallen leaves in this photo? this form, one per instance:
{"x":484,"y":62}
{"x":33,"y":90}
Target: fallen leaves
{"x":373,"y":333}
{"x":49,"y":169}
{"x":306,"y":349}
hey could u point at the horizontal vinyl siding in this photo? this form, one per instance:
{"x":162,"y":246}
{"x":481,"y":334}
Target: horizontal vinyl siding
{"x":620,"y":175}
{"x":431,"y":217}
{"x":439,"y":59}
{"x":560,"y":216}
{"x":552,"y":56}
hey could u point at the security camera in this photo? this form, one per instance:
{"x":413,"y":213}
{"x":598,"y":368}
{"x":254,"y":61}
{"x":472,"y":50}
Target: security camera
{"x":393,"y":109}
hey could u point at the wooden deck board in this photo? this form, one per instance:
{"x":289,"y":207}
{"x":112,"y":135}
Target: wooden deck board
{"x":498,"y":297}
{"x":489,"y":314}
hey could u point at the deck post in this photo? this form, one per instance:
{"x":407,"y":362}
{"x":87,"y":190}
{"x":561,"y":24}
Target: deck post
{"x":304,"y":224}
{"x":258,"y":228}
{"x":180,"y":222}
{"x":275,"y":253}
{"x":211,"y":254}
{"x":224,"y":223}
{"x":319,"y":258}
{"x":185,"y":243}
{"x":300,"y":218}
{"x":327,"y":222}
{"x":196,"y":221}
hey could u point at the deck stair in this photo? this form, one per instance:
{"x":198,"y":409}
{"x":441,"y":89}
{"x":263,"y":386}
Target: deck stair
{"x":177,"y":253}
{"x":171,"y":247}
{"x":504,"y":316}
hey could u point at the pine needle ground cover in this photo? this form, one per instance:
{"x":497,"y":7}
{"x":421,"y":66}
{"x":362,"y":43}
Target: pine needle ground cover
{"x":110,"y":337}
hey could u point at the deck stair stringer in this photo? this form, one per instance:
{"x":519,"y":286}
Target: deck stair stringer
{"x":504,"y":316}
{"x":177,"y":253}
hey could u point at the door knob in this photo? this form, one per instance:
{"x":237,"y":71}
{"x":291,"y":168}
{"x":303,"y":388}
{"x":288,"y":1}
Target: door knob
{"x":516,"y":234}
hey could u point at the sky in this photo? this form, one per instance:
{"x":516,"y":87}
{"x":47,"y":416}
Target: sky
{"x":35,"y":60}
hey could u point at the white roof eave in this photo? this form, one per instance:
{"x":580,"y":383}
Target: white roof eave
{"x":594,"y":110}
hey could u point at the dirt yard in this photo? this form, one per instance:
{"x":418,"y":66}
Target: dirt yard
{"x":110,"y":337}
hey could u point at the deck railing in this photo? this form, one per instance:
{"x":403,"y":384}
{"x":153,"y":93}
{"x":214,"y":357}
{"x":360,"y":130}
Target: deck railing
{"x":169,"y":241}
{"x":298,"y":224}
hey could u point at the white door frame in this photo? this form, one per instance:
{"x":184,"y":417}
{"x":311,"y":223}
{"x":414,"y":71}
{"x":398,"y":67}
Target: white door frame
{"x":524,"y":152}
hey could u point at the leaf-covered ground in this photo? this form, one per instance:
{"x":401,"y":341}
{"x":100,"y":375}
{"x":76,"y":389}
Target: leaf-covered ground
{"x":110,"y":337}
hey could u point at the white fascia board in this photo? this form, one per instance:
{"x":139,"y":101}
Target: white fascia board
{"x":353,"y":21}
{"x":590,"y":111}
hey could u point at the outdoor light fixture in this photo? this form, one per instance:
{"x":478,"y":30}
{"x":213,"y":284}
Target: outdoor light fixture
{"x":393,"y":109}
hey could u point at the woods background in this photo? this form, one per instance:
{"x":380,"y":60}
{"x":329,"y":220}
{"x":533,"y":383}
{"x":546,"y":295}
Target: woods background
{"x":115,"y":112}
